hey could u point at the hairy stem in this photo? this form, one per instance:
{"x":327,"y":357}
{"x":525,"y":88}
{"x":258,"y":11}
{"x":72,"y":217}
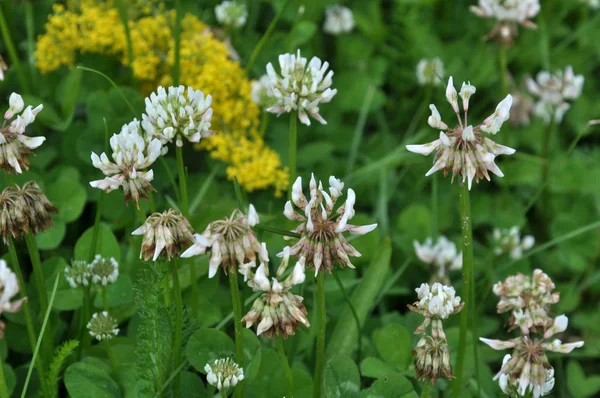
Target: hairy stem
{"x":237,"y":323}
{"x":177,"y":338}
{"x":322,"y":316}
{"x":425,"y":390}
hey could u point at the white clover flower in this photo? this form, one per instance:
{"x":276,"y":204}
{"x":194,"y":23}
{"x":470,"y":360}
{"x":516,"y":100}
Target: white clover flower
{"x":464,"y":149}
{"x":443,"y":255}
{"x":102,"y":326}
{"x":231,"y":241}
{"x":511,"y":386}
{"x":300,"y":87}
{"x":3,"y":68}
{"x":436,"y":303}
{"x":78,"y":273}
{"x":322,"y":243}
{"x":509,"y":241}
{"x":15,"y":146}
{"x":553,"y":92}
{"x":338,"y":20}
{"x":593,"y":4}
{"x":276,"y":310}
{"x":231,"y":14}
{"x":9,"y":287}
{"x":103,"y":270}
{"x":131,"y":156}
{"x":522,"y":109}
{"x":177,"y":113}
{"x":430,"y":72}
{"x":260,"y":92}
{"x":224,"y":374}
{"x":509,"y":14}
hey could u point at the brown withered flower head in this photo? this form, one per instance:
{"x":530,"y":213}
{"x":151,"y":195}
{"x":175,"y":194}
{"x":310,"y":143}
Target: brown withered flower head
{"x":231,"y":242}
{"x":24,"y":209}
{"x":169,"y":231}
{"x":322,"y":243}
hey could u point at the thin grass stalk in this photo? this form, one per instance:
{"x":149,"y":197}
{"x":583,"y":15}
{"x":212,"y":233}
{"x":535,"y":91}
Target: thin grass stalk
{"x":467,"y":234}
{"x":286,"y":366}
{"x":238,"y":327}
{"x":170,"y":177}
{"x":359,"y":128}
{"x":435,"y":206}
{"x":39,"y":343}
{"x":263,"y":40}
{"x":30,"y":29}
{"x":293,"y":144}
{"x":112,"y":83}
{"x":12,"y":53}
{"x":504,"y":68}
{"x":545,"y":200}
{"x":124,"y":14}
{"x":3,"y":387}
{"x":41,"y":370}
{"x":354,"y":314}
{"x":322,"y":319}
{"x":278,"y":231}
{"x":177,"y":335}
{"x":177,"y":38}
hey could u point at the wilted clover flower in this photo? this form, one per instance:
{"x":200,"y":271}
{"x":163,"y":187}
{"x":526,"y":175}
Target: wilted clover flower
{"x":443,"y":255}
{"x":464,"y":149}
{"x":78,"y":273}
{"x":104,"y":270}
{"x":224,"y":374}
{"x":300,"y":87}
{"x":509,"y":14}
{"x":527,"y":368}
{"x":177,"y":114}
{"x":510,"y":386}
{"x":432,"y":355}
{"x":132,"y":154}
{"x":338,"y":20}
{"x":15,"y":146}
{"x":231,"y":14}
{"x":168,"y":230}
{"x":509,"y":241}
{"x":528,"y":299}
{"x":322,"y":243}
{"x":102,"y":326}
{"x":260,"y":92}
{"x":276,"y":310}
{"x":24,"y":209}
{"x":9,"y":287}
{"x":231,"y":242}
{"x":430,"y":72}
{"x":553,"y":92}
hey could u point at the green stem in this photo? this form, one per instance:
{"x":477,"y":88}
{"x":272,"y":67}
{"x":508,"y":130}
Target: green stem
{"x":96,"y":230}
{"x":546,"y":166}
{"x":223,"y":393}
{"x":263,"y":40}
{"x":435,"y":213}
{"x":354,"y":313}
{"x":237,"y":323}
{"x":293,"y":138}
{"x":467,"y":233}
{"x":182,"y":182}
{"x":170,"y":177}
{"x":104,"y":300}
{"x":84,"y":318}
{"x":124,"y":14}
{"x":177,"y":340}
{"x":12,"y":52}
{"x":286,"y":366}
{"x":322,"y":317}
{"x":504,"y":68}
{"x":229,"y":316}
{"x":425,"y":391}
{"x":278,"y":231}
{"x":111,"y":354}
{"x":3,"y":388}
{"x":475,"y":332}
{"x":112,"y":83}
{"x":177,"y":38}
{"x":359,"y":128}
{"x":30,"y":28}
{"x":41,"y":370}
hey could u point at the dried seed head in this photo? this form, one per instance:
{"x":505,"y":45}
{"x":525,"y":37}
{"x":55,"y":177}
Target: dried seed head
{"x":102,"y":326}
{"x":432,"y":359}
{"x":169,"y":231}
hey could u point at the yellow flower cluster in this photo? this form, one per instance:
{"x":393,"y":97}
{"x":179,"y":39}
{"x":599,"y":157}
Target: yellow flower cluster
{"x":204,"y":64}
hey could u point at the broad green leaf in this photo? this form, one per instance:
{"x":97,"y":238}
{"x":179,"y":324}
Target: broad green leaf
{"x":397,"y":337}
{"x":85,"y":380}
{"x":192,"y":386}
{"x":302,"y":32}
{"x":9,"y":378}
{"x":391,"y":386}
{"x":271,"y":381}
{"x":341,"y":378}
{"x":68,"y":94}
{"x":107,"y":246}
{"x":52,"y":238}
{"x":579,"y":384}
{"x":69,"y":197}
{"x":207,"y":345}
{"x":344,"y":338}
{"x":375,"y":368}
{"x":118,"y":293}
{"x":252,"y":354}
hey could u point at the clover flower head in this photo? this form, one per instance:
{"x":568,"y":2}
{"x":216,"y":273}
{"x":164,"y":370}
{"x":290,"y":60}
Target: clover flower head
{"x":104,"y":270}
{"x":78,"y":273}
{"x":430,"y":72}
{"x":322,"y":243}
{"x":131,"y":155}
{"x":464,"y":149}
{"x":9,"y":287}
{"x":15,"y":146}
{"x":3,"y":68}
{"x":301,"y":87}
{"x":338,"y":20}
{"x":443,"y":255}
{"x":522,"y":109}
{"x":231,"y":241}
{"x":276,"y":310}
{"x":436,"y":303}
{"x":177,"y":113}
{"x":223,"y":373}
{"x":510,"y":241}
{"x":24,"y":209}
{"x":510,"y":386}
{"x":528,"y":299}
{"x":553,"y":92}
{"x":102,"y":326}
{"x":432,"y":359}
{"x":260,"y":92}
{"x":231,"y":14}
{"x":509,"y":14}
{"x":168,"y":231}
{"x":527,"y":368}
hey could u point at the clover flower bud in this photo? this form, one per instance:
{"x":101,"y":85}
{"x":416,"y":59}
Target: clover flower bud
{"x":78,"y":273}
{"x":104,"y":270}
{"x":224,"y":374}
{"x":102,"y":326}
{"x":430,"y":72}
